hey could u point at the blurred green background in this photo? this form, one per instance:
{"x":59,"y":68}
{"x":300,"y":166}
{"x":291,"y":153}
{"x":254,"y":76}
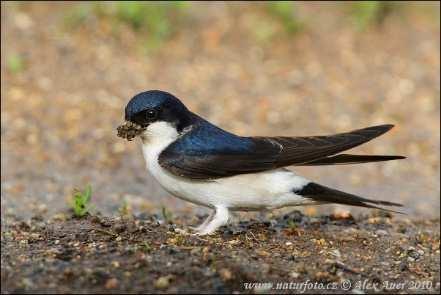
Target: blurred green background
{"x":265,"y":68}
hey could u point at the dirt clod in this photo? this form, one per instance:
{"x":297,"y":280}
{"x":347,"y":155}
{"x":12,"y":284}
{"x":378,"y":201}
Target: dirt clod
{"x":129,"y":130}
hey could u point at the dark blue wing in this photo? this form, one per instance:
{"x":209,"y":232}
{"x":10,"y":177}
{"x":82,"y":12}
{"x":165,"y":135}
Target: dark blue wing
{"x":207,"y":151}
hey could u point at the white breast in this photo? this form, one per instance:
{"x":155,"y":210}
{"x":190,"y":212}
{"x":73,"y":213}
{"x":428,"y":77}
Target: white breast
{"x":269,"y":189}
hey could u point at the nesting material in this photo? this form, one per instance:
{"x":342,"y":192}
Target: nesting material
{"x":129,"y":130}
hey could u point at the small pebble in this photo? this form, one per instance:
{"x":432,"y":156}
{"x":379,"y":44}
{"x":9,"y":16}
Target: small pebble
{"x":381,"y":232}
{"x":115,"y":264}
{"x":111,"y":283}
{"x":163,"y":282}
{"x":294,"y":275}
{"x":335,"y":253}
{"x":225,"y":274}
{"x":119,"y":228}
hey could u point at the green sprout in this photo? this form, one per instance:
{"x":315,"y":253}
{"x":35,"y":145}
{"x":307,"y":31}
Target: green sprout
{"x":167,"y":215}
{"x":145,"y":247}
{"x":291,"y":224}
{"x":124,"y":209}
{"x":81,"y":201}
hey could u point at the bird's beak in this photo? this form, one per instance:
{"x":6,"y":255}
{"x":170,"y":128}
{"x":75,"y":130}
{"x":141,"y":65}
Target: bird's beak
{"x":129,"y":130}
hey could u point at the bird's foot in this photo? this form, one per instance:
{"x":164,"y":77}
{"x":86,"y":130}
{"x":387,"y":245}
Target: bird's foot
{"x":213,"y":222}
{"x":197,"y":228}
{"x":182,"y":231}
{"x":203,"y":233}
{"x":200,"y":228}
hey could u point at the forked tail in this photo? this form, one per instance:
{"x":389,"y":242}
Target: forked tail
{"x":325,"y":194}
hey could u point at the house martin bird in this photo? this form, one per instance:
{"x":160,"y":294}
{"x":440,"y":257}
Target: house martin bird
{"x":201,"y":163}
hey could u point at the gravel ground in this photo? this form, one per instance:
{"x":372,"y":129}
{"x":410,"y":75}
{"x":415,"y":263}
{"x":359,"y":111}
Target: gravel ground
{"x":59,"y":115}
{"x":333,"y":254}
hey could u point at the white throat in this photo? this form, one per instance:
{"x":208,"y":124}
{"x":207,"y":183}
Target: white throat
{"x":159,"y":134}
{"x":155,"y":139}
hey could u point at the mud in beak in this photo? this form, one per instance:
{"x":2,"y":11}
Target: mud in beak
{"x":129,"y":130}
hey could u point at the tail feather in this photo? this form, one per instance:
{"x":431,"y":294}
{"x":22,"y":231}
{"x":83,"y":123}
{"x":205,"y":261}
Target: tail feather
{"x":325,"y":194}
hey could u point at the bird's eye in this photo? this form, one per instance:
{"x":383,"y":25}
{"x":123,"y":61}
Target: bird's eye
{"x":150,"y":115}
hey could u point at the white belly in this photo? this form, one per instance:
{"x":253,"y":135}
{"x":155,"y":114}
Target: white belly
{"x":264,"y":190}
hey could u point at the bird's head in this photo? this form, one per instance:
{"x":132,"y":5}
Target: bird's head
{"x":154,"y":111}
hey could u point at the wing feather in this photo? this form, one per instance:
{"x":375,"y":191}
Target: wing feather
{"x":300,"y":150}
{"x":344,"y":159}
{"x":207,"y":152}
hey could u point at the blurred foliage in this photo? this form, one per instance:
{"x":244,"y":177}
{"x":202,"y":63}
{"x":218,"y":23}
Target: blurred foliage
{"x":368,"y":13}
{"x":77,"y":15}
{"x":158,"y":19}
{"x":154,"y":17}
{"x":15,"y":63}
{"x":263,"y":30}
{"x":284,"y":11}
{"x":275,"y":19}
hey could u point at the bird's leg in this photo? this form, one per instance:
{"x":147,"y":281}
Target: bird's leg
{"x":220,"y":218}
{"x":204,"y":224}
